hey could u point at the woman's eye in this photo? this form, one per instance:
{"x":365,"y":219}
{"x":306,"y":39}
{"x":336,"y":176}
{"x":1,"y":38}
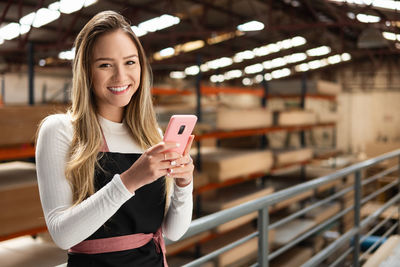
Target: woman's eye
{"x":130,"y":62}
{"x":105,"y":65}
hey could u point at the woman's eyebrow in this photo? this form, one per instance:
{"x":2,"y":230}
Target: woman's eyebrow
{"x":111,"y":59}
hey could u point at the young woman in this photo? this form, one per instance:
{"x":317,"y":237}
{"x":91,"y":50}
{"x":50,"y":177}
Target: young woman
{"x":108,"y":184}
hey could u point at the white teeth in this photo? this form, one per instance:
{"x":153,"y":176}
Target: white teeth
{"x":118,"y":89}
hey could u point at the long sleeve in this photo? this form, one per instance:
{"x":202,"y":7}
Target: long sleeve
{"x":179,"y":214}
{"x":67,"y":224}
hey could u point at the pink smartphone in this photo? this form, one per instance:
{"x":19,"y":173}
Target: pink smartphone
{"x":179,"y":129}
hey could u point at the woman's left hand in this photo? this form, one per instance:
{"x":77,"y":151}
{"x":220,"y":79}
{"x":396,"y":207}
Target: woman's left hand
{"x":182,"y":169}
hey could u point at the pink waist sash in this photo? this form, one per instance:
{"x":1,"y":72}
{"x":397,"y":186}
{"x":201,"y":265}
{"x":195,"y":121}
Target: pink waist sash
{"x":120,"y":243}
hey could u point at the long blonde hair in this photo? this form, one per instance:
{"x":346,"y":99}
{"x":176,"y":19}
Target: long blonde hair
{"x":87,"y":136}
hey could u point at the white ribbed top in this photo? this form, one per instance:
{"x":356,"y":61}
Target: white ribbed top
{"x":69,"y":225}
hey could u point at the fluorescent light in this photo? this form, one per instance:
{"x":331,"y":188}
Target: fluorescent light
{"x":251,"y":26}
{"x":192,"y":70}
{"x":259,"y":78}
{"x":67,"y":55}
{"x":285,"y":44}
{"x":302,"y":67}
{"x":298,"y":41}
{"x":204,"y":68}
{"x":1,"y":41}
{"x":159,"y":23}
{"x":280,"y":73}
{"x":55,"y":6}
{"x":346,"y":56}
{"x":273,"y":48}
{"x":42,"y":62}
{"x":138,"y":31}
{"x":351,"y":15}
{"x":28,"y":19}
{"x":233,"y":74}
{"x":368,"y":18}
{"x":24,"y":29}
{"x":334,"y":59}
{"x":261,"y":51}
{"x":239,"y":57}
{"x":315,"y":64}
{"x":268,"y":76}
{"x":190,"y":46}
{"x":293,"y":58}
{"x":89,"y":2}
{"x":217,"y":78}
{"x":177,"y":74}
{"x":70,"y":6}
{"x":391,"y":36}
{"x":167,"y":52}
{"x":278,"y":62}
{"x":219,"y":63}
{"x":318,"y":51}
{"x":10,"y":31}
{"x":247,"y":81}
{"x":254,"y":68}
{"x":45,"y":16}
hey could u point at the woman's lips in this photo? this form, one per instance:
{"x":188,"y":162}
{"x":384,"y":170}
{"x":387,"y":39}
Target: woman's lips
{"x":118,"y":89}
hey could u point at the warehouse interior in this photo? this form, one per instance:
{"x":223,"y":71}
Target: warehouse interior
{"x":297,"y":106}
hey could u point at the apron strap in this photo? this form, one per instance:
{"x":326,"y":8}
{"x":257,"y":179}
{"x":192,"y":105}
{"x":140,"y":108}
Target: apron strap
{"x":104,"y":147}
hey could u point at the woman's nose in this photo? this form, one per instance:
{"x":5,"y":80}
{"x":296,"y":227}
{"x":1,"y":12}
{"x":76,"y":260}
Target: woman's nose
{"x":119,"y":72}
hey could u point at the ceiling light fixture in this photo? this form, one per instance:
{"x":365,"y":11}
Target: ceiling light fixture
{"x":251,"y":26}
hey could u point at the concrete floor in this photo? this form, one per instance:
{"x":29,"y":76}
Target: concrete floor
{"x":29,"y":252}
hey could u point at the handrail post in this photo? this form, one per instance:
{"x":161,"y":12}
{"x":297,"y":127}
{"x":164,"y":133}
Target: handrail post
{"x":357,"y":207}
{"x":263,"y":222}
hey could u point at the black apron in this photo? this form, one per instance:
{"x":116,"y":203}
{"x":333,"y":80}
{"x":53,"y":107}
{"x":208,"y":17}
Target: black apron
{"x":143,"y":213}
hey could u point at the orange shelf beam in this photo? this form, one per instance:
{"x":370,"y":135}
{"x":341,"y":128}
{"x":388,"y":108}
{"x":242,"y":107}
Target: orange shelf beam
{"x":33,"y":231}
{"x":17,"y":152}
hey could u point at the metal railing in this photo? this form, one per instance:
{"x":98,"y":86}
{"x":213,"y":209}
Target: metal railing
{"x":352,"y":238}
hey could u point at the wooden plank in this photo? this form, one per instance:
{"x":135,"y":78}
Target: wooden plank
{"x":289,"y":231}
{"x":229,"y":197}
{"x":224,"y":164}
{"x":20,"y":206}
{"x":323,"y":212}
{"x":371,"y":207}
{"x":293,"y":257}
{"x":235,"y":119}
{"x":238,"y":255}
{"x":179,"y":246}
{"x":19,"y":123}
{"x":383,"y":252}
{"x":290,"y":156}
{"x":296,"y":117}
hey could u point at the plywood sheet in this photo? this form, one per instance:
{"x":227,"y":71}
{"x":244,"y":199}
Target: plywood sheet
{"x":19,"y":123}
{"x":20,"y":207}
{"x":323,"y":212}
{"x":224,"y":164}
{"x":371,"y":207}
{"x":296,"y":117}
{"x":239,"y":254}
{"x":384,"y":252}
{"x":289,"y":156}
{"x":229,"y":197}
{"x":235,"y":119}
{"x":289,"y":231}
{"x":293,"y":258}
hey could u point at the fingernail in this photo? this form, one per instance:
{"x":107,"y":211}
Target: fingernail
{"x":173,"y":163}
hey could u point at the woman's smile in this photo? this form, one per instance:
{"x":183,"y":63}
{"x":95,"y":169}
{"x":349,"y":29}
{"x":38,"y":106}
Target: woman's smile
{"x":118,"y":90}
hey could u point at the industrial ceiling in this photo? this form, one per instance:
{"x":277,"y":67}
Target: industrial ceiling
{"x":206,"y":34}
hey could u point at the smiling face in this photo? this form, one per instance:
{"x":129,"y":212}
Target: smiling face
{"x":115,"y":71}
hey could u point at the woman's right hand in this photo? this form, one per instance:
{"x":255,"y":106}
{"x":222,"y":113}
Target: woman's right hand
{"x":150,"y":166}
